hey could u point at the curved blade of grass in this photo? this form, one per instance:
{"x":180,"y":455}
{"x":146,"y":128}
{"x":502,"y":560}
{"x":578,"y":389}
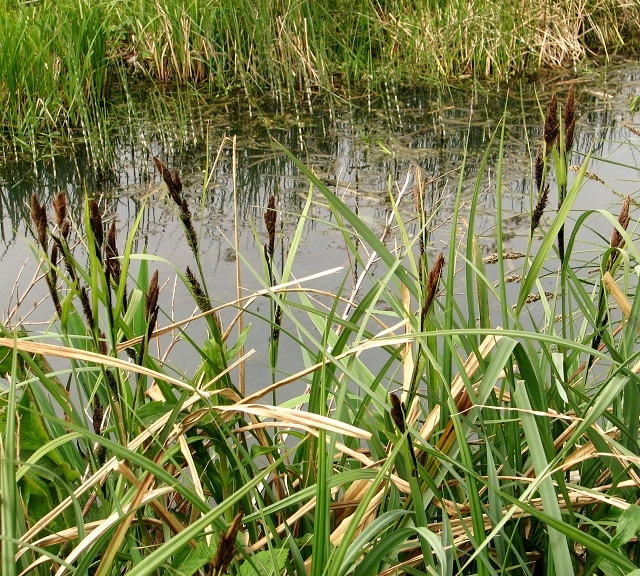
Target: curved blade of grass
{"x":339,"y":207}
{"x":558,"y":544}
{"x":8,"y":488}
{"x":542,"y":254}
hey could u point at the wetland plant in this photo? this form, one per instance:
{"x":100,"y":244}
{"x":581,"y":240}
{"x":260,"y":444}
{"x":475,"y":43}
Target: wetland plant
{"x":437,"y":434}
{"x":85,"y":56}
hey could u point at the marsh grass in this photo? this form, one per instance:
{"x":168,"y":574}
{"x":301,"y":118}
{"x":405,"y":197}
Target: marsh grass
{"x":65,"y":62}
{"x":488,"y":438}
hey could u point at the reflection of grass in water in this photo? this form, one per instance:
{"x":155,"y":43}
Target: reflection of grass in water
{"x":176,"y":128}
{"x":482,"y":442}
{"x":64,"y":61}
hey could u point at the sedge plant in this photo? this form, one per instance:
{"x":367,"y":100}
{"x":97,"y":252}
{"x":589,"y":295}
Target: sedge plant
{"x":427,"y":434}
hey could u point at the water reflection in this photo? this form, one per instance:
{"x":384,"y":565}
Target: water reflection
{"x":364,"y":147}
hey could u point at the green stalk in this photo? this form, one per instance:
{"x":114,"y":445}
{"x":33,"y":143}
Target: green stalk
{"x":8,"y":460}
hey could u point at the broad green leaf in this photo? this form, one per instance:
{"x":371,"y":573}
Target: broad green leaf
{"x":188,"y":561}
{"x":628,"y":526}
{"x":232,"y":352}
{"x":267,"y":562}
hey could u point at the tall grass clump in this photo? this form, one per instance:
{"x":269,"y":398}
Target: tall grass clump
{"x":431,"y":430}
{"x":54,"y":75}
{"x":66,"y":63}
{"x":281,"y":46}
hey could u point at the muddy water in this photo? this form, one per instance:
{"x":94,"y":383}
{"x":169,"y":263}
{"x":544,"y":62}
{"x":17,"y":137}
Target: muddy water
{"x":365,"y":148}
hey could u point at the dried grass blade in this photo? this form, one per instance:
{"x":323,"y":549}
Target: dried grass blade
{"x":298,"y":417}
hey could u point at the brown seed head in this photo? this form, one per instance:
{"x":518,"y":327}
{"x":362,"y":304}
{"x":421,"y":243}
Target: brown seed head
{"x":102,"y":343}
{"x":111,"y":253}
{"x":60,"y":208}
{"x":551,"y":125}
{"x":113,"y":383}
{"x":95,"y":219}
{"x":111,"y":247}
{"x":270,"y":217}
{"x":151,"y":298}
{"x":617,"y":241}
{"x":624,"y":217}
{"x":86,"y":307}
{"x":227,"y":546}
{"x":539,"y":170}
{"x":39,"y":218}
{"x":198,"y":293}
{"x":98,"y":415}
{"x":65,"y":229}
{"x":397,"y":412}
{"x":172,"y":180}
{"x":539,"y":210}
{"x":418,"y":193}
{"x":190,"y":232}
{"x":434,"y":277}
{"x":570,"y":118}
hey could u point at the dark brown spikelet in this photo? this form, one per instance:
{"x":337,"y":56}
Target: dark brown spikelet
{"x":86,"y":307}
{"x":432,"y":285}
{"x":98,"y":415}
{"x":198,"y":293}
{"x":39,"y":218}
{"x":539,"y":170}
{"x":570,"y":118}
{"x":418,"y":200}
{"x":55,"y":255}
{"x":102,"y":343}
{"x":551,"y":125}
{"x":185,"y":218}
{"x":95,"y":220}
{"x":65,"y":229}
{"x":113,"y":383}
{"x":397,"y":412}
{"x":101,"y":454}
{"x":52,"y":278}
{"x":174,"y":185}
{"x":227,"y":546}
{"x":277,"y":323}
{"x":539,"y":210}
{"x":111,"y":251}
{"x":616,"y":238}
{"x":151,"y":312}
{"x":617,"y":241}
{"x":113,"y":268}
{"x":270,"y":217}
{"x":151,"y":298}
{"x":172,"y":180}
{"x":60,"y":208}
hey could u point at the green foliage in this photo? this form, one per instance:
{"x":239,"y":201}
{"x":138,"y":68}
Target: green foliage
{"x":491,"y":433}
{"x":628,"y":526}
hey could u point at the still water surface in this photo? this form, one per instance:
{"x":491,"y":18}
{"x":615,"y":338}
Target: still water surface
{"x":365,"y":148}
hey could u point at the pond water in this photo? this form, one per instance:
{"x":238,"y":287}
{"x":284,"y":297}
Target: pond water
{"x":363,"y":147}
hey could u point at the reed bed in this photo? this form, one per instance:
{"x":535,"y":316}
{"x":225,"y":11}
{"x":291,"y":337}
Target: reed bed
{"x":429,"y":433}
{"x":65,"y":63}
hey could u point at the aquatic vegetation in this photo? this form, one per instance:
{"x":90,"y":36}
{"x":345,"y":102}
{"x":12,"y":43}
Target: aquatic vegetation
{"x":429,"y":431}
{"x":68,"y":64}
